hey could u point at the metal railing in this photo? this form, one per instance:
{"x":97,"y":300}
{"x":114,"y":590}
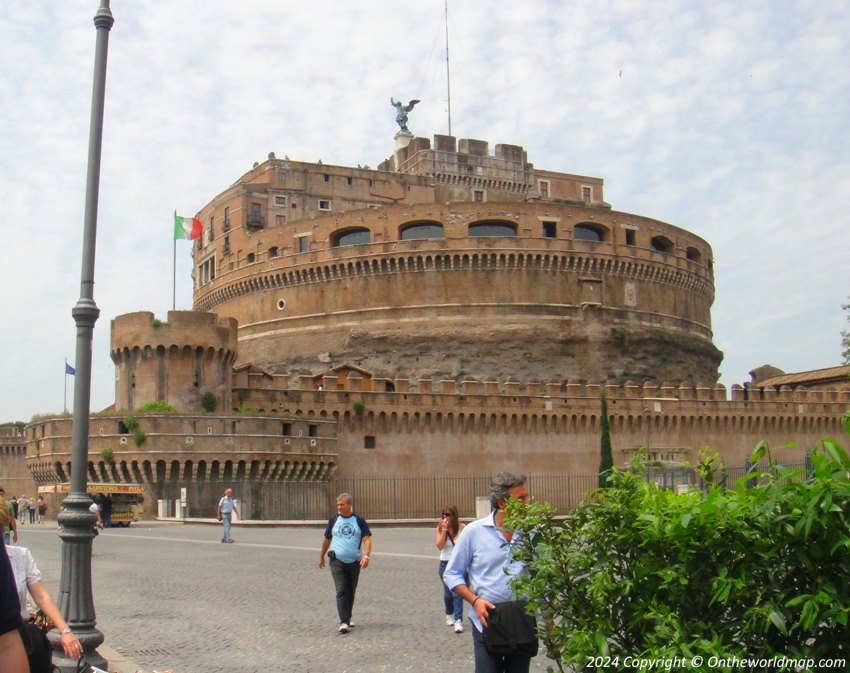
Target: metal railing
{"x":403,"y":497}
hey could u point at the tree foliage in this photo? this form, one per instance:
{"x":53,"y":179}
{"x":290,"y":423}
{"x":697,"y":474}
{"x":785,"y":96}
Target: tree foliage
{"x":638,"y":571}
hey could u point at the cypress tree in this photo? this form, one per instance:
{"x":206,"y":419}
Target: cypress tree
{"x":606,"y":459}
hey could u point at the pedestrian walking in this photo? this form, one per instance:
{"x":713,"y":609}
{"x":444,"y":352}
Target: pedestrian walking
{"x":448,"y":529}
{"x":348,"y":544}
{"x":226,"y":507}
{"x":31,"y":505}
{"x":8,"y":524}
{"x":481,"y":568}
{"x":42,"y":508}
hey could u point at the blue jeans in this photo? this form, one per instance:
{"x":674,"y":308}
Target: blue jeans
{"x":487,"y":663}
{"x":452,"y":602}
{"x":226,"y":519}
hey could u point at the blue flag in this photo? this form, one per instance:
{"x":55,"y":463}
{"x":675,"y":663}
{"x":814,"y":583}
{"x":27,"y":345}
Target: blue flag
{"x":69,"y":369}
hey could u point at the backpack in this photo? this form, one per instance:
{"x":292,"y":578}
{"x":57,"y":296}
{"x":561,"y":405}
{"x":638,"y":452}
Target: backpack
{"x":5,"y":515}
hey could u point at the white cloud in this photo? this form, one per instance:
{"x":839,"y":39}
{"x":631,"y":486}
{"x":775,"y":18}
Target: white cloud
{"x":728,"y":120}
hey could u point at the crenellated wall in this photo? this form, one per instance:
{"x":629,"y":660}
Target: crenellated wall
{"x":450,"y":427}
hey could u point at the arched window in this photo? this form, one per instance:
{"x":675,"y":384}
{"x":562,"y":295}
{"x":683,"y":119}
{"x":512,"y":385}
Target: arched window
{"x":249,"y":258}
{"x":492,"y":228}
{"x":589,"y":232}
{"x":662,"y":244}
{"x":694,"y":255}
{"x":351,"y":237}
{"x":421,"y":230}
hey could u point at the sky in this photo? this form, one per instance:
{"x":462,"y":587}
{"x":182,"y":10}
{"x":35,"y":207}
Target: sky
{"x":729,"y":119}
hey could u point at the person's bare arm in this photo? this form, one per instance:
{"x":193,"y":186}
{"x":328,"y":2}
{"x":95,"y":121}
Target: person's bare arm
{"x":325,"y":544}
{"x":13,"y":657}
{"x":43,"y":600}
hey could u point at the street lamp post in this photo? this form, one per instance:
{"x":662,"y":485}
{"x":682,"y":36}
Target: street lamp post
{"x":75,"y":588}
{"x":646,"y":411}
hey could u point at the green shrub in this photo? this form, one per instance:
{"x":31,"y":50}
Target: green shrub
{"x":209,"y":401}
{"x":139,"y":436}
{"x":160,"y":406}
{"x":131,"y":423}
{"x":638,"y":571}
{"x":107,"y":455}
{"x":359,"y":408}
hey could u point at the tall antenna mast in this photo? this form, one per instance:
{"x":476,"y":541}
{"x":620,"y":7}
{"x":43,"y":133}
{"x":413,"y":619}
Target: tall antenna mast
{"x":448,"y":73}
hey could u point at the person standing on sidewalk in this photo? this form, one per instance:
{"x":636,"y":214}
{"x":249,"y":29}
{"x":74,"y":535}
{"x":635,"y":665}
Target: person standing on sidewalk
{"x":226,"y":507}
{"x":447,"y":531}
{"x":8,"y":523}
{"x":347,"y":543}
{"x":481,"y":568}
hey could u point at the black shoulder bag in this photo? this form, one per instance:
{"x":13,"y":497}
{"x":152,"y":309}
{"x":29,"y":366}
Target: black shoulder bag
{"x":511,"y":631}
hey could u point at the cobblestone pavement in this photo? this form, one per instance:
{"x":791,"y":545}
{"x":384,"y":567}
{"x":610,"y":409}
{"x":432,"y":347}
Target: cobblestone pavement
{"x":171,"y":596}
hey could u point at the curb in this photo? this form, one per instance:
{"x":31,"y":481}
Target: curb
{"x":117,"y":662}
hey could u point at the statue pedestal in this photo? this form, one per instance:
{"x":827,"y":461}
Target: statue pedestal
{"x":402,"y":139}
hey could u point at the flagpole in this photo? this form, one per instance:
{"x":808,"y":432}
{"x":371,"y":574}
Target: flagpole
{"x":174,"y":274}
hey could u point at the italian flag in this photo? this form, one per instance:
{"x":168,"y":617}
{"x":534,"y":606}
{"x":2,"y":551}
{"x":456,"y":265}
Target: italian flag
{"x":188,"y":228}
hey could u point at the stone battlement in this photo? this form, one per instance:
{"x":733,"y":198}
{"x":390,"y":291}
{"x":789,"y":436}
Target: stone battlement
{"x":354,"y":381}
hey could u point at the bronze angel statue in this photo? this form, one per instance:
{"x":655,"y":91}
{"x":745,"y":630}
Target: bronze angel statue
{"x":401,"y":111}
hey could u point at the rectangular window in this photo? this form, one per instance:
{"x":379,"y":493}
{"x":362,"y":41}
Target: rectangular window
{"x":312,"y":430}
{"x":543,"y":186}
{"x":324,"y":204}
{"x":280,"y":200}
{"x":286,"y":429}
{"x":280,"y":219}
{"x":478,"y":195}
{"x":303,"y":244}
{"x":212,"y":229}
{"x":281,"y":176}
{"x":327,"y":177}
{"x":349,"y":180}
{"x":369,"y":441}
{"x":549,"y":230}
{"x":586,"y":194}
{"x":630,"y":236}
{"x":227,"y":219}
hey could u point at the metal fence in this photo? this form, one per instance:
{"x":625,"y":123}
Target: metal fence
{"x":402,"y":497}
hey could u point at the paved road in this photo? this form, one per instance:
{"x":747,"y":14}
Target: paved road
{"x":171,"y":596}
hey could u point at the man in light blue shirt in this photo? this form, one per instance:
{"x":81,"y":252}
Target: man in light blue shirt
{"x":348,"y":543}
{"x":483,"y":555}
{"x":226,"y":507}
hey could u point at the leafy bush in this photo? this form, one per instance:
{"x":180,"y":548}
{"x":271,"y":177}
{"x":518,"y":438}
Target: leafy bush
{"x":139,"y":436}
{"x":638,"y":571}
{"x":131,"y":423}
{"x":107,"y":455}
{"x":209,"y":401}
{"x":160,"y":406}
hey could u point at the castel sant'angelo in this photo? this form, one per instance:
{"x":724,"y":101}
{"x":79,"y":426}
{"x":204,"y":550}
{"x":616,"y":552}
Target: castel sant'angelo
{"x":455,"y":311}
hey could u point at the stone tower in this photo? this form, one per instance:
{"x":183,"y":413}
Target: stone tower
{"x":176,"y":361}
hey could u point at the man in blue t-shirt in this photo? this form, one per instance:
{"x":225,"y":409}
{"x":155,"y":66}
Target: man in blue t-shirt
{"x":345,"y":535}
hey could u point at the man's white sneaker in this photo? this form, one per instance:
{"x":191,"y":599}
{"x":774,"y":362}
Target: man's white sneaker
{"x":458,"y":626}
{"x":450,"y":620}
{"x":343,"y":628}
